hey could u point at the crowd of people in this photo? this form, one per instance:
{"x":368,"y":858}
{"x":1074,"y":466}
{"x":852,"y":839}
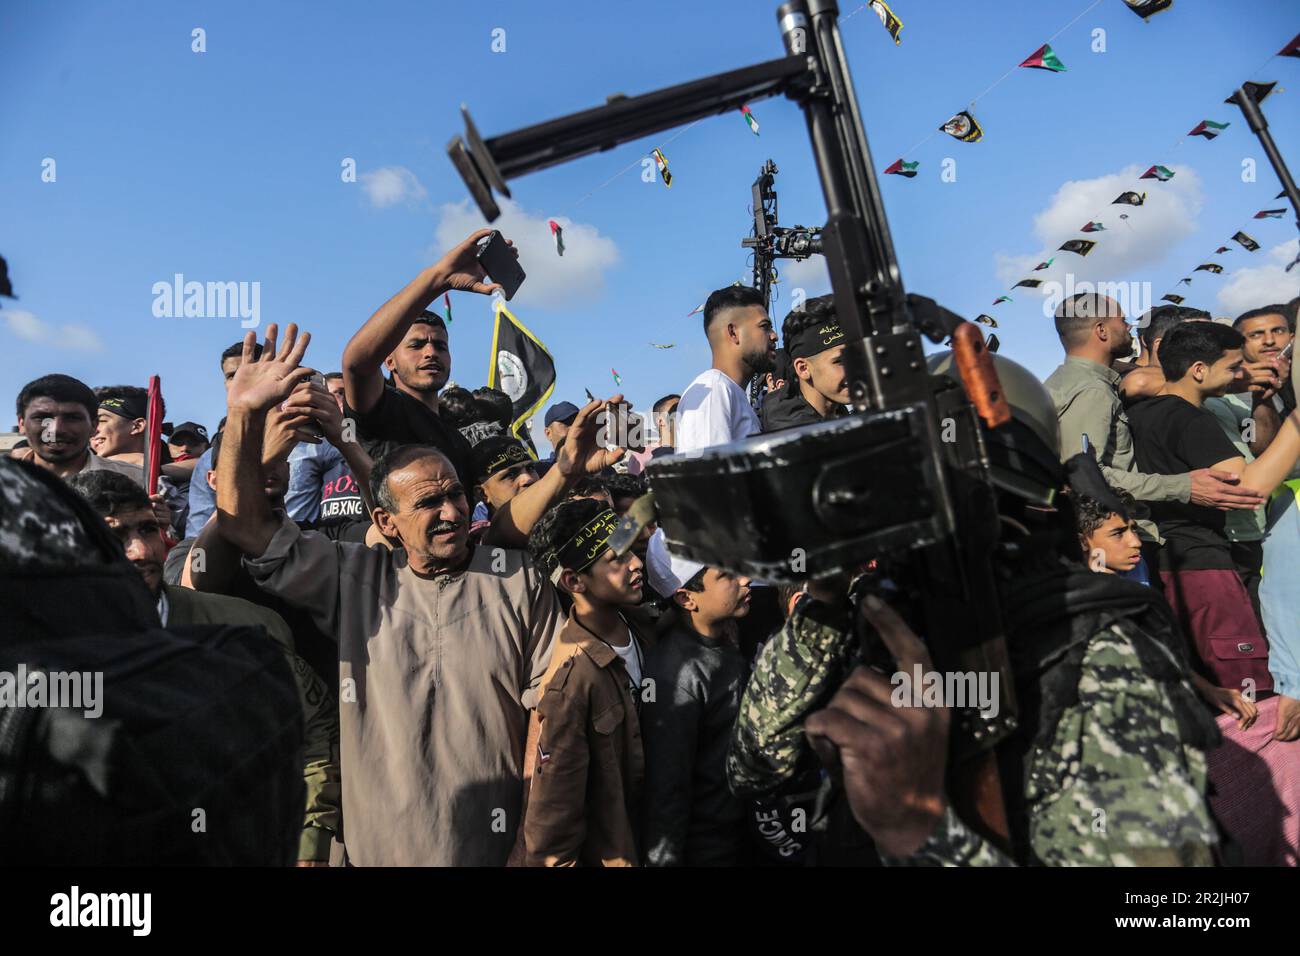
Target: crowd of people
{"x":488,"y":674}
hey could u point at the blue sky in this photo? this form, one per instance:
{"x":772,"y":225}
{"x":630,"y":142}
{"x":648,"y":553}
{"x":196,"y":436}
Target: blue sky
{"x":226,"y":166}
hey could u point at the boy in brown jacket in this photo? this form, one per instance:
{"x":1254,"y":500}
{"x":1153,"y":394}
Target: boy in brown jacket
{"x":587,"y":763}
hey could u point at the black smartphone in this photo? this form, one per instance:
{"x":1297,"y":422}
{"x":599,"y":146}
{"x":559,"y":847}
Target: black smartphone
{"x":498,"y":260}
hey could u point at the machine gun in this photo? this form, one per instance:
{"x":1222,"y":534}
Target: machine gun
{"x":879,"y":484}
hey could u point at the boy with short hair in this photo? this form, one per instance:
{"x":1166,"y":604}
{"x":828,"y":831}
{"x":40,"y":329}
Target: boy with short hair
{"x":698,"y":675}
{"x":1109,"y":538}
{"x":585,"y":762}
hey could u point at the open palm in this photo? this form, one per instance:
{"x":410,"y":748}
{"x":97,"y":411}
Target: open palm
{"x":260,"y":383}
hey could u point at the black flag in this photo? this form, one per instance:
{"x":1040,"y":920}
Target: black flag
{"x":1256,"y":91}
{"x":1130,"y":198}
{"x":1148,"y":8}
{"x":1028,"y":283}
{"x":520,"y":366}
{"x":1081,"y":246}
{"x":1209,"y":267}
{"x":5,"y":287}
{"x":1249,"y":244}
{"x":1175,"y":299}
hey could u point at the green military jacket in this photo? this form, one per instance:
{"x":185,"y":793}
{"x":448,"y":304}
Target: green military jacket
{"x":320,"y":712}
{"x":1117,"y":784}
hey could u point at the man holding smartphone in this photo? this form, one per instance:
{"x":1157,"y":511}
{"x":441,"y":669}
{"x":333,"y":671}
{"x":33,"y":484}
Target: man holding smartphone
{"x":411,"y":342}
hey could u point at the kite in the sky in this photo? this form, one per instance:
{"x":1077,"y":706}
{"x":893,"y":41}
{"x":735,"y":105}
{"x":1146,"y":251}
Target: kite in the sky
{"x":1148,"y":8}
{"x":987,"y":320}
{"x":662,"y":163}
{"x":1209,"y":267}
{"x":900,"y":168}
{"x":1130,"y":198}
{"x":1292,"y":48}
{"x":1028,"y":283}
{"x":618,"y":379}
{"x":1081,"y":246}
{"x":1270,"y":214}
{"x":1247,"y":243}
{"x":1093,"y":227}
{"x":1044,"y":265}
{"x":1208,"y":128}
{"x":668,"y":346}
{"x":696,"y":311}
{"x":1256,"y":91}
{"x":557,"y":233}
{"x":1044,"y":58}
{"x":964,"y":127}
{"x":1162,"y":173}
{"x":1221,"y":249}
{"x":1175,"y":299}
{"x":1003,"y":298}
{"x":749,"y":120}
{"x":891,"y":22}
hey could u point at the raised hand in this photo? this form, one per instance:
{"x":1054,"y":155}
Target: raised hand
{"x":259,"y":384}
{"x":459,"y":269}
{"x":581,"y":453}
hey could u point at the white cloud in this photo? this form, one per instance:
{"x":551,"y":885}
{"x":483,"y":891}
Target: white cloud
{"x":1267,"y":284}
{"x":29,"y":328}
{"x":808,"y":274}
{"x":552,"y":280}
{"x":1127,"y":245}
{"x":390,"y":185}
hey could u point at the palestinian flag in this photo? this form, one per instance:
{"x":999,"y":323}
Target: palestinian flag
{"x":1221,"y":249}
{"x":520,"y":366}
{"x":1081,"y":246}
{"x":661,"y":162}
{"x":1162,"y":173}
{"x":1130,"y":198}
{"x":1028,"y":283}
{"x":446,"y":301}
{"x":1209,"y":267}
{"x":891,"y":22}
{"x":987,"y":320}
{"x":557,"y":234}
{"x":1247,"y":243}
{"x":1270,"y":214}
{"x":1093,"y":227}
{"x":749,"y":119}
{"x":696,"y":311}
{"x":1044,"y":265}
{"x":1256,"y":91}
{"x":1003,"y":298}
{"x":1148,"y":8}
{"x":900,"y":168}
{"x":1292,"y":48}
{"x":1208,"y":128}
{"x":618,"y":381}
{"x":1175,"y":299}
{"x":1044,"y":58}
{"x":964,"y":127}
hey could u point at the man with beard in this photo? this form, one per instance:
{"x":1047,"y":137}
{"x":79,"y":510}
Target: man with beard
{"x":441,"y":646}
{"x":411,"y":342}
{"x":714,"y":409}
{"x":126,"y":510}
{"x":1094,"y":333}
{"x":819,"y":389}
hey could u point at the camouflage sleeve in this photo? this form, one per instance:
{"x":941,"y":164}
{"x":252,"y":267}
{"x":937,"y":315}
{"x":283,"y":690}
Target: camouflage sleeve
{"x":796,"y":672}
{"x":1117,"y":785}
{"x":953,"y":844}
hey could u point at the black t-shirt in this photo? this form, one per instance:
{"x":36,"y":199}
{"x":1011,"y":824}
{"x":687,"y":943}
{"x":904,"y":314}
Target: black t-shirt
{"x":398,"y":419}
{"x":1171,"y":436}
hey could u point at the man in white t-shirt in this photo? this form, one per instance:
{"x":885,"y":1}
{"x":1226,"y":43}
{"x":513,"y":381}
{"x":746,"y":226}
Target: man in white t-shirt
{"x":714,"y":409}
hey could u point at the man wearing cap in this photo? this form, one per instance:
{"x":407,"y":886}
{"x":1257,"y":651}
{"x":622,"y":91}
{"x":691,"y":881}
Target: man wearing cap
{"x":188,"y":440}
{"x":559,"y":417}
{"x":502,"y":469}
{"x":819,"y":389}
{"x":698,"y":672}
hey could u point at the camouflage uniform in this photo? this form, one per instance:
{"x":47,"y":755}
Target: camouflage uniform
{"x":1117,"y":783}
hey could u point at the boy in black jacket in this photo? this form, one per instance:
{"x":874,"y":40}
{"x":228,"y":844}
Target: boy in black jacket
{"x":692,"y":819}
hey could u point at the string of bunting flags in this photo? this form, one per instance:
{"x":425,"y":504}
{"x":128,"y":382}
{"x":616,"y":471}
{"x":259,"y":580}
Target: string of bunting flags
{"x":1207,"y":129}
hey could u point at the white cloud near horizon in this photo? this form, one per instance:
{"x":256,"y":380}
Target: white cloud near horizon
{"x":551,"y":280}
{"x":390,"y":185}
{"x":26,"y":326}
{"x":1269,"y":283}
{"x":1168,"y":216}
